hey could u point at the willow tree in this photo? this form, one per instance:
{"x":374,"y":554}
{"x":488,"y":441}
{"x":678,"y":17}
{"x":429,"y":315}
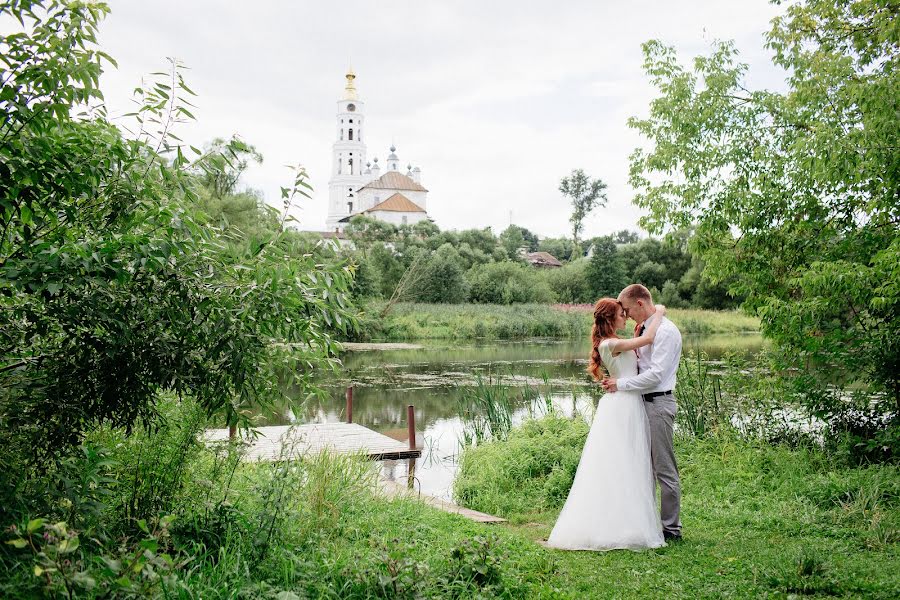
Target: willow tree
{"x":795,"y":194}
{"x":111,"y":288}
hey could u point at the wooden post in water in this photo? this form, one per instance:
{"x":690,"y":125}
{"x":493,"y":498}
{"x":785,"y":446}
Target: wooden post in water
{"x":411,"y":425}
{"x":350,"y":404}
{"x":411,"y":473}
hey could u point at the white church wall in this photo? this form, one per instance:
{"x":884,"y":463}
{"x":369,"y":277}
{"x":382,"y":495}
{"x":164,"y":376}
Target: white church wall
{"x":397,"y":218}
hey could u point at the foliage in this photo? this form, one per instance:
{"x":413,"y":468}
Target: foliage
{"x":530,"y":471}
{"x":670,"y":296}
{"x":586,"y":194}
{"x":443,"y":279}
{"x":364,"y":231}
{"x":606,"y":271}
{"x":366,"y":280}
{"x":230,"y":158}
{"x":794,"y":193}
{"x":113,"y":290}
{"x":482,"y":240}
{"x":571,"y":283}
{"x":506,"y":283}
{"x":699,"y":394}
{"x":486,"y":410}
{"x":563,"y":249}
{"x":139,"y":568}
{"x":496,"y":321}
{"x":514,"y":237}
{"x":652,"y":262}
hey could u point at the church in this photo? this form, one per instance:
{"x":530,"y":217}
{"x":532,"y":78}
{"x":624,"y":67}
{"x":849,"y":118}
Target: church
{"x":357,"y":186}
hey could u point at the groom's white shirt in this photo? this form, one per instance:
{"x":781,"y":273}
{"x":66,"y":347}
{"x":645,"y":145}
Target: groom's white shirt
{"x":657,"y":363}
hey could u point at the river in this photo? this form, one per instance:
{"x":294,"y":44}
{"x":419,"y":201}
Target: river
{"x":434,"y":378}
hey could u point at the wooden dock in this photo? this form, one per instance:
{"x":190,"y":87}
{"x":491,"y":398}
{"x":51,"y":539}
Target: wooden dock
{"x":283,"y":442}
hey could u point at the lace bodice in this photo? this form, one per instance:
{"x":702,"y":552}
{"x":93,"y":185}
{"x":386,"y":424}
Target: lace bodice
{"x":623,"y":365}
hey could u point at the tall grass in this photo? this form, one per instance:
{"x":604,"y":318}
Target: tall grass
{"x":699,"y":394}
{"x":487,"y":409}
{"x":409,"y":321}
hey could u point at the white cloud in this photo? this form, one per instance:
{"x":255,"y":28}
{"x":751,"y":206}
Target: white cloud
{"x":495,"y":101}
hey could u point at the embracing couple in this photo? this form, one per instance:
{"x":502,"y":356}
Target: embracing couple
{"x":612,"y":503}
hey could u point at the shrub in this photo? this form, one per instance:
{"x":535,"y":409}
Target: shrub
{"x":443,"y":280}
{"x":506,"y":283}
{"x":570,"y":283}
{"x":529,"y":472}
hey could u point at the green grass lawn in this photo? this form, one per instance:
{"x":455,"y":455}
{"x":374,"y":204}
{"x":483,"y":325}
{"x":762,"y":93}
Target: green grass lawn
{"x":758,"y":521}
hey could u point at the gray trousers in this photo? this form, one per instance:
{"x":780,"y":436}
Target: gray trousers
{"x":661,"y":414}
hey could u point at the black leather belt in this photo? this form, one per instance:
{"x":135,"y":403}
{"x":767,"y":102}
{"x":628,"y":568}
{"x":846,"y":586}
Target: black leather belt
{"x":649,"y":397}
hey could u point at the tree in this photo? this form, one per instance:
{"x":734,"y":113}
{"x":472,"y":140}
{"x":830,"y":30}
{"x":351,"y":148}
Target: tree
{"x":586,"y":194}
{"x":425,"y":229}
{"x":364,"y":231}
{"x":653,"y":262}
{"x":512,"y":240}
{"x":227,"y":162}
{"x":113,"y":289}
{"x":561,"y":248}
{"x":479,"y":239}
{"x":795,"y":196}
{"x":507,"y":283}
{"x":606,"y":272}
{"x":626,"y":237}
{"x":443,"y":280}
{"x":571,"y":283}
{"x":529,"y":240}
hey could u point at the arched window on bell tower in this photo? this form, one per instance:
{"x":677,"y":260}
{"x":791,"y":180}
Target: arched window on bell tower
{"x":350,"y":133}
{"x":342,"y":135}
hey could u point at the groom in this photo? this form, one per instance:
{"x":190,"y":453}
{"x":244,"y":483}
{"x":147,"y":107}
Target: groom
{"x":657,"y":365}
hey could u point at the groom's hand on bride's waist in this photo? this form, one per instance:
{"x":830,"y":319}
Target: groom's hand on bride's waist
{"x":610,"y":384}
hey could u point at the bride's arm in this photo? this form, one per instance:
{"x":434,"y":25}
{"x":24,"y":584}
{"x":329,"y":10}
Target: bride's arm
{"x":617,"y":346}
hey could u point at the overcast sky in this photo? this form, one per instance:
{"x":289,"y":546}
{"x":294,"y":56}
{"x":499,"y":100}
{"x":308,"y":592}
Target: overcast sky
{"x":494,"y":101}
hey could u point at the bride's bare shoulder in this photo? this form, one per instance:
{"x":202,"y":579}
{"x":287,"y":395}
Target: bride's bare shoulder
{"x":610,"y":344}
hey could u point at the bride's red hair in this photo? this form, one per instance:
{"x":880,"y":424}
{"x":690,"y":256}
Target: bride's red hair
{"x":605,"y":312}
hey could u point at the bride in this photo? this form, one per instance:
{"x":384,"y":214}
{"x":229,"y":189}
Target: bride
{"x":612,"y":503}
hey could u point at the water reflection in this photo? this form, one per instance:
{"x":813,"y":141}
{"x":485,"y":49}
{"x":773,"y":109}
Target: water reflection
{"x":433,"y":380}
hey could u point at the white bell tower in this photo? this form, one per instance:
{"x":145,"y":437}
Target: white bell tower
{"x":348,"y":157}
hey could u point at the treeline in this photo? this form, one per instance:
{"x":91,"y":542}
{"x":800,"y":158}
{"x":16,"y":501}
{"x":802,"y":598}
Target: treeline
{"x":424,"y":264}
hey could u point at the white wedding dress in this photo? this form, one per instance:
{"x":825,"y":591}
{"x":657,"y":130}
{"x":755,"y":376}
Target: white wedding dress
{"x":612,"y":503}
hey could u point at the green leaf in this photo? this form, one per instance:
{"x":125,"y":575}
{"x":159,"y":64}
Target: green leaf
{"x":34,"y":525}
{"x":18,"y":543}
{"x":68,"y":545}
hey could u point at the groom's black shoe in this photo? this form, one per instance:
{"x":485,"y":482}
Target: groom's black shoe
{"x":671,"y":537}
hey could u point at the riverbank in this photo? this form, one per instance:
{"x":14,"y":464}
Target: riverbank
{"x":759,"y":520}
{"x":415,"y":321}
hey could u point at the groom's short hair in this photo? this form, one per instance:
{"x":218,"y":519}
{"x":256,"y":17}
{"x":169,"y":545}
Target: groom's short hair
{"x":636,"y":291}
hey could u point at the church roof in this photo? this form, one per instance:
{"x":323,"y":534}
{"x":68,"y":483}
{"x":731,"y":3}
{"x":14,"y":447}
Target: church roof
{"x":397,"y":203}
{"x":394,"y":180}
